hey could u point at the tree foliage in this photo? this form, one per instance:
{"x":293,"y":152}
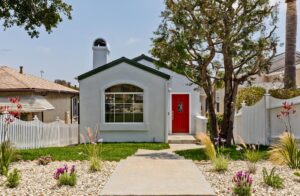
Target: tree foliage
{"x":33,"y":14}
{"x":205,"y":37}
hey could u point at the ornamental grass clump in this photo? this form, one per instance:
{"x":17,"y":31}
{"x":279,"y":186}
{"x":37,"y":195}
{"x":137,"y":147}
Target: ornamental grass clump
{"x":242,"y":184}
{"x":93,"y":150}
{"x":7,"y":154}
{"x":220,"y":162}
{"x":251,"y":154}
{"x":272,"y":179}
{"x":286,"y":152}
{"x":63,"y":177}
{"x":13,"y":179}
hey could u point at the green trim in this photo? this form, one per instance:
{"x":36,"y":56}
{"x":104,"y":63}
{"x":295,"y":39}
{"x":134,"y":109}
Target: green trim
{"x":144,"y":57}
{"x":154,"y":61}
{"x":123,"y":60}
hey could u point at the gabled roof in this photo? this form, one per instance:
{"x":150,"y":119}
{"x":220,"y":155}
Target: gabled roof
{"x":144,"y":57}
{"x":154,"y":61}
{"x":123,"y":60}
{"x":12,"y":80}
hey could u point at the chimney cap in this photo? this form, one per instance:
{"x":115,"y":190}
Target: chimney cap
{"x":100,"y":42}
{"x":21,"y":70}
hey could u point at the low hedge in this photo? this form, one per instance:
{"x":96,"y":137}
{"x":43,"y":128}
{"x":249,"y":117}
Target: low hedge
{"x":250,"y":95}
{"x":284,"y":93}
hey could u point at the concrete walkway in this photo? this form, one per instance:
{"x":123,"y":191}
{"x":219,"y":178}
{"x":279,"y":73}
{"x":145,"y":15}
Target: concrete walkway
{"x":156,"y":173}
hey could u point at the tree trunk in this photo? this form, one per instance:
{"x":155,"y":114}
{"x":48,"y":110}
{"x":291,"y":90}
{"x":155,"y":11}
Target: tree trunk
{"x":290,"y":45}
{"x":211,"y":113}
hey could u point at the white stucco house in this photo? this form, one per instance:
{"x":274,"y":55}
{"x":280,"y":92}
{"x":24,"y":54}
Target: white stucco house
{"x":131,"y":100}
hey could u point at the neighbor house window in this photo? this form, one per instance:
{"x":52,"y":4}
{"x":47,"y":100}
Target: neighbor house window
{"x":124,"y":104}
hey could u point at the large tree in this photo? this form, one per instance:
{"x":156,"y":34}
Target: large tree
{"x":32,"y":14}
{"x":202,"y":38}
{"x":290,"y":45}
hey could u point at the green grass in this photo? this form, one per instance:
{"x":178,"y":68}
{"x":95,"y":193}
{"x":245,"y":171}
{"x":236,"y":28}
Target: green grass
{"x":232,"y":153}
{"x":110,"y":151}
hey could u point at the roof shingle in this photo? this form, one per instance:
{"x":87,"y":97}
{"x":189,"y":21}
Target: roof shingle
{"x":11,"y":79}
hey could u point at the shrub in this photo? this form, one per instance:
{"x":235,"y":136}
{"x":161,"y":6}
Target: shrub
{"x":284,"y":93}
{"x":13,"y":179}
{"x":272,"y":179}
{"x":7,"y":154}
{"x":45,"y":160}
{"x":220,"y":163}
{"x":285,"y":151}
{"x":242,"y":184}
{"x":63,"y":177}
{"x":250,"y":95}
{"x":209,"y":149}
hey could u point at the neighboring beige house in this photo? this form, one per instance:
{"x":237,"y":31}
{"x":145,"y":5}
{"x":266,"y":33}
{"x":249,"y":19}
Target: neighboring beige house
{"x":38,"y":96}
{"x":270,"y":80}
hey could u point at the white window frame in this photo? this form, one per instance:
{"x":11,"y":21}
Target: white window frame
{"x":123,"y":93}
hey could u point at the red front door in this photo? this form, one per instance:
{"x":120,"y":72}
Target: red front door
{"x":180,"y":113}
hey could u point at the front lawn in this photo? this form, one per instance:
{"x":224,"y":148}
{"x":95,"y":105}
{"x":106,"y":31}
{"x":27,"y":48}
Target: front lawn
{"x":110,"y":151}
{"x":232,"y":153}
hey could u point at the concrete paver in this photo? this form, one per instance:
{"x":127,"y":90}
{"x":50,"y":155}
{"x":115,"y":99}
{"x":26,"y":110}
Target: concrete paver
{"x":156,"y":173}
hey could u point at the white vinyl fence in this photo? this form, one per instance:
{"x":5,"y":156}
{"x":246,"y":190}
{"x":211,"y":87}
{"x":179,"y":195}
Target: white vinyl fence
{"x":259,"y":123}
{"x":36,"y":134}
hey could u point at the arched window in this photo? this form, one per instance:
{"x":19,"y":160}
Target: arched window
{"x":124,"y":104}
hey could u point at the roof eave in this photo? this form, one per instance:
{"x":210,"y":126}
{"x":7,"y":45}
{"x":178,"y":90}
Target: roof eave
{"x":121,"y":60}
{"x":37,"y":90}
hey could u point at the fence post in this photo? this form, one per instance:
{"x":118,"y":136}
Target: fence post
{"x":37,"y":138}
{"x":58,"y":130}
{"x":267,"y":117}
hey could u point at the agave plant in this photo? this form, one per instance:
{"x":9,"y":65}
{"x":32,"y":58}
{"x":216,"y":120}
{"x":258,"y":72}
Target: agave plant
{"x":286,"y":151}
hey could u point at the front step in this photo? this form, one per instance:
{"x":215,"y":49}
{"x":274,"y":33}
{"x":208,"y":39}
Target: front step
{"x":181,"y":139}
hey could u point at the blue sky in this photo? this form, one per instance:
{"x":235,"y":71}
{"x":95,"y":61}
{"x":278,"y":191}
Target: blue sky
{"x":127,"y":25}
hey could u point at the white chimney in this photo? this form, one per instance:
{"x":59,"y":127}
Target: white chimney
{"x":100,"y":52}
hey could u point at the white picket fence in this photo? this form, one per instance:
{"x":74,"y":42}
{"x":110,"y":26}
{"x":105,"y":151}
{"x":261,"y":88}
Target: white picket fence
{"x":259,"y":123}
{"x":36,"y":134}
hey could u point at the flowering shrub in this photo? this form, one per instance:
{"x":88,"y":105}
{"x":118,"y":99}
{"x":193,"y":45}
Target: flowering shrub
{"x":287,"y":110}
{"x":63,"y":177}
{"x":7,"y":150}
{"x":242,"y":184}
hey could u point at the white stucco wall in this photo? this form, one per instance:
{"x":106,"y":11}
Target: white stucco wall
{"x":180,"y":84}
{"x":92,"y":105}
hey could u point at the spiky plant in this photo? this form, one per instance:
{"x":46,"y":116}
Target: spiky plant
{"x":209,"y":149}
{"x":285,"y":151}
{"x":93,"y":150}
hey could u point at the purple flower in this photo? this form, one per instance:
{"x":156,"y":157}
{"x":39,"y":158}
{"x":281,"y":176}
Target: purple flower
{"x":72,"y":169}
{"x":63,"y":170}
{"x":66,"y":168}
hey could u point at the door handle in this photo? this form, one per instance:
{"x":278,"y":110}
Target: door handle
{"x":172,"y":115}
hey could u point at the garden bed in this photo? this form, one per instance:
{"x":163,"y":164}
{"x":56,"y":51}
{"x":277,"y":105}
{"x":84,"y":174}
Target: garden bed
{"x":222,"y":182}
{"x":38,"y":179}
